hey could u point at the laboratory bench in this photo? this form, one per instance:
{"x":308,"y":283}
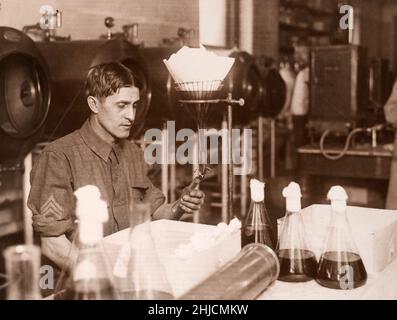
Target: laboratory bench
{"x":361,"y":162}
{"x":379,"y":286}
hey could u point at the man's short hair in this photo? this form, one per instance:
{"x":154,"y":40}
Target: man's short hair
{"x":106,"y":79}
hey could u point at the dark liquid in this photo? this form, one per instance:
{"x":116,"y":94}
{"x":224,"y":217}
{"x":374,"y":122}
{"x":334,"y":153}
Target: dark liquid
{"x":93,"y":289}
{"x":341,"y":270}
{"x":261,"y":234}
{"x":297,"y":265}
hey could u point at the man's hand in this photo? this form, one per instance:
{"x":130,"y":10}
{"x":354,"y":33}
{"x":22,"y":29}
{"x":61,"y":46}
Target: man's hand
{"x":192,"y":201}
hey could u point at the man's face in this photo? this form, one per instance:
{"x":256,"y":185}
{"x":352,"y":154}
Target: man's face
{"x":116,"y":113}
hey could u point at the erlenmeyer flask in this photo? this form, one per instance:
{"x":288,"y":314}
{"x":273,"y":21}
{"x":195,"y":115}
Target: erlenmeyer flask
{"x":258,"y":227}
{"x":88,"y":275}
{"x":138,"y":271}
{"x":340,"y":265}
{"x":297,"y":262}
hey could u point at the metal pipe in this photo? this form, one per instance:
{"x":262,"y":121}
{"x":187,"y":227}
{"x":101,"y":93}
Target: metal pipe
{"x":172,"y":182}
{"x":260,"y":148}
{"x":196,"y":168}
{"x":272,"y":148}
{"x":374,"y":138}
{"x":164,"y":163}
{"x":244,"y":181}
{"x":230,"y":162}
{"x":239,"y":102}
{"x":224,"y":171}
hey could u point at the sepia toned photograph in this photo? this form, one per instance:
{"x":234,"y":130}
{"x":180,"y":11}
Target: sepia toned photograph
{"x":226,"y":151}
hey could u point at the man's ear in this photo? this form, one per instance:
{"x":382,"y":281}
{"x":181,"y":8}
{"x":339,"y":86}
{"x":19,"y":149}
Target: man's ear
{"x":93,"y":104}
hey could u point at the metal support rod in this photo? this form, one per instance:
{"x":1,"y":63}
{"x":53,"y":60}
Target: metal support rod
{"x":272,"y":148}
{"x":196,"y":168}
{"x":27,"y":213}
{"x":164,"y":163}
{"x":172,"y":182}
{"x":260,"y":148}
{"x":244,"y":181}
{"x":224,"y":171}
{"x":374,"y":138}
{"x":228,"y":101}
{"x":230,"y":162}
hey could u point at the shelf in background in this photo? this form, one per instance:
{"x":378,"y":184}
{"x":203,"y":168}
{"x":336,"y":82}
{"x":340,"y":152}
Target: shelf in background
{"x":310,"y":31}
{"x":311,"y":10}
{"x":11,"y":228}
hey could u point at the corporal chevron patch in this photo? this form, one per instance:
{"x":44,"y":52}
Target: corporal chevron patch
{"x":52,"y":209}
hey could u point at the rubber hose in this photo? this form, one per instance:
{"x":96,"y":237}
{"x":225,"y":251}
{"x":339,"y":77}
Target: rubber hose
{"x":346,"y":147}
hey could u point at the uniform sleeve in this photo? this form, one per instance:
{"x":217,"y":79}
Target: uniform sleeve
{"x":159,"y":209}
{"x":51,"y":196}
{"x":391,"y":106}
{"x":154,"y":196}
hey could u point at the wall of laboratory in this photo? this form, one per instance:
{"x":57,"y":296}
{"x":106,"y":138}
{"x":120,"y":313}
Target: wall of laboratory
{"x":388,"y":43}
{"x":84,"y":19}
{"x":370,"y":25}
{"x":213,"y":22}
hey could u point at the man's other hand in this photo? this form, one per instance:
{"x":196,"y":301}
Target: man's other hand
{"x":192,"y":201}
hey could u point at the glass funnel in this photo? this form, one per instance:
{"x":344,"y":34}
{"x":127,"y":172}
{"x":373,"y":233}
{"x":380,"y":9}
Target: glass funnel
{"x":297,"y":262}
{"x":340,"y":265}
{"x":197,"y":99}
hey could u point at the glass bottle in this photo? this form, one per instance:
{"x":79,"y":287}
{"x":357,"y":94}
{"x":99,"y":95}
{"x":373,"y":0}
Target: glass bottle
{"x":297,"y":262}
{"x":258,"y":227}
{"x":23,"y":272}
{"x":340,"y":265}
{"x":88,"y":277}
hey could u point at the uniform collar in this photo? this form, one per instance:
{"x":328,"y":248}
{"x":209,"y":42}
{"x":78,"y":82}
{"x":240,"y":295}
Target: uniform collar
{"x":97,"y":144}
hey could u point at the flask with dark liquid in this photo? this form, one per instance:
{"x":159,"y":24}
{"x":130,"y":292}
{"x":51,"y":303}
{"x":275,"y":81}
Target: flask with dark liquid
{"x":297,"y":262}
{"x":340,"y":265}
{"x":89,"y":276}
{"x":258,"y":227}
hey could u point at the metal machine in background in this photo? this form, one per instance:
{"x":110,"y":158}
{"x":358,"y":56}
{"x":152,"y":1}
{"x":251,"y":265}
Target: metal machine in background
{"x":24,"y":105}
{"x":164,"y":105}
{"x":346,"y":97}
{"x":381,"y":81}
{"x":24,"y":94}
{"x":274,"y":94}
{"x":339,"y":87}
{"x":347,"y":130}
